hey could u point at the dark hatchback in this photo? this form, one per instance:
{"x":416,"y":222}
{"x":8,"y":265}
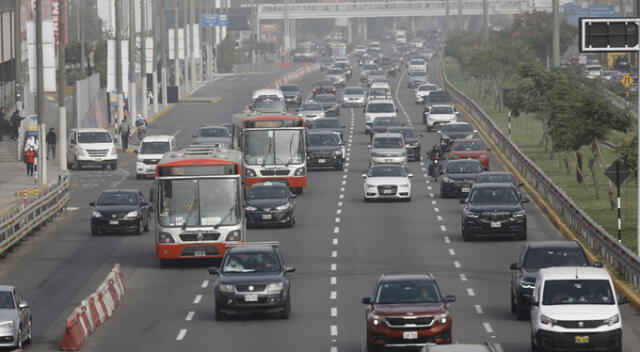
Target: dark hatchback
{"x":458,"y":176}
{"x":327,"y":124}
{"x":324,"y":149}
{"x":120,"y":210}
{"x":382,"y":124}
{"x":494,"y":208}
{"x":411,"y":141}
{"x":455,"y":130}
{"x":270,"y":203}
{"x":329,"y":103}
{"x":533,"y":257}
{"x":292,"y":94}
{"x":407,"y":311}
{"x":252,"y":278}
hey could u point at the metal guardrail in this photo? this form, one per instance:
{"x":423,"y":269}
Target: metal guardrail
{"x":18,"y":222}
{"x":619,"y":257}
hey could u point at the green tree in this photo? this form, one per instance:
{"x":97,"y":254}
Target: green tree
{"x":227,"y":55}
{"x":535,"y":30}
{"x":628,"y":152}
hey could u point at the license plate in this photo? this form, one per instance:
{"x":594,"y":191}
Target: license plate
{"x":114,"y":222}
{"x":98,"y":159}
{"x":200,"y":253}
{"x":387,"y":191}
{"x":266,"y":216}
{"x":388,"y":160}
{"x":581,"y":339}
{"x":465,"y":189}
{"x":410,"y":335}
{"x":496,"y":224}
{"x":322,"y":161}
{"x":251,"y":298}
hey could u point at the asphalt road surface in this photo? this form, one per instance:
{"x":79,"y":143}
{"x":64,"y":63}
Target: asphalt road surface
{"x":339,"y":246}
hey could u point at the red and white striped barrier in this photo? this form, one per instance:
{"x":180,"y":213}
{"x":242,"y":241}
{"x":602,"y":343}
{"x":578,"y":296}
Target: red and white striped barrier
{"x":93,"y":311}
{"x":293,"y":75}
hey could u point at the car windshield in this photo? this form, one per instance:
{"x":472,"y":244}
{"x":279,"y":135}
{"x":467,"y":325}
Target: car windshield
{"x":537,"y":258}
{"x":311,"y":107}
{"x":251,"y":263}
{"x":501,"y":195}
{"x":326,"y":123}
{"x":354,"y":91}
{"x":327,"y":98}
{"x":94,"y":137}
{"x":289,"y":88}
{"x":387,"y":171}
{"x":469,"y":146}
{"x":380,"y":107}
{"x":401,"y":292}
{"x":6,"y":300}
{"x":335,"y":71}
{"x":214,"y":132}
{"x":594,"y":68}
{"x":370,"y":67}
{"x":457,"y":127}
{"x":387,"y":121}
{"x":379,"y":92}
{"x":274,"y":147}
{"x":417,"y":74}
{"x":199,"y":202}
{"x":406,"y":133}
{"x":323,"y":139}
{"x":117,"y":198}
{"x":154,"y":147}
{"x":441,"y":110}
{"x":387,"y":142}
{"x":464,"y":168}
{"x":269,"y":104}
{"x":495,"y":178}
{"x":577,"y":292}
{"x":424,"y":88}
{"x":267,"y":192}
{"x":439,"y":98}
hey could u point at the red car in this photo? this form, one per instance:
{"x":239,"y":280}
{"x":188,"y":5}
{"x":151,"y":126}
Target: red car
{"x":323,"y":87}
{"x":407,"y":311}
{"x":470,"y":149}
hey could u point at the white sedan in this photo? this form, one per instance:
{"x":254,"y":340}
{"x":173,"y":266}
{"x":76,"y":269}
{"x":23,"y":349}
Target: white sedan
{"x":387,"y":182}
{"x":423,"y":91}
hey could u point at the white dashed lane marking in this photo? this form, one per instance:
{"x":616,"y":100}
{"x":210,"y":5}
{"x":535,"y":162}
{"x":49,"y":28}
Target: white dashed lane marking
{"x":487,"y":328}
{"x":333,"y":295}
{"x":478,"y":309}
{"x":443,"y":228}
{"x":463,"y":277}
{"x":181,"y":334}
{"x":457,"y":264}
{"x":334,"y":280}
{"x":470,"y":292}
{"x":205,"y":283}
{"x":190,"y":315}
{"x":451,"y":251}
{"x":334,"y":266}
{"x":334,"y":330}
{"x":447,"y":240}
{"x":197,"y":299}
{"x":334,"y":311}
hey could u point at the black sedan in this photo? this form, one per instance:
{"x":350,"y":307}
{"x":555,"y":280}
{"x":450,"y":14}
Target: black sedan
{"x":329,"y":103}
{"x":120,"y":210}
{"x":411,"y":141}
{"x":292,"y":94}
{"x":270,"y":203}
{"x":458,"y":176}
{"x":494,"y":208}
{"x":325,"y":149}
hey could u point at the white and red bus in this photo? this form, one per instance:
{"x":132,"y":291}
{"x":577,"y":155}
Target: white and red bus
{"x":273,"y":147}
{"x":198,"y":198}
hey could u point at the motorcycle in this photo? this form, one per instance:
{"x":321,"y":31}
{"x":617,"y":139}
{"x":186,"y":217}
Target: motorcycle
{"x":434,"y":167}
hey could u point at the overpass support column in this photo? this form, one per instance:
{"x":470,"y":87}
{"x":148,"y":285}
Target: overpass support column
{"x":349,"y":30}
{"x":394,"y":24}
{"x":412,"y":22}
{"x":364,"y":29}
{"x":293,"y":33}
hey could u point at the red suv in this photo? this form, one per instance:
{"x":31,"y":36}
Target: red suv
{"x":470,"y":149}
{"x":407,"y":310}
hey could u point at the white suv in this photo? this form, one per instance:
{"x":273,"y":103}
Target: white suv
{"x":575,"y":308}
{"x":91,"y":146}
{"x":151,"y":150}
{"x":438,"y":115}
{"x":378,"y":108}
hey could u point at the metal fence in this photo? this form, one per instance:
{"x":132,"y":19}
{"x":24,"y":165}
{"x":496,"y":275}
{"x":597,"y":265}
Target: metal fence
{"x":21,"y":220}
{"x":619,"y":257}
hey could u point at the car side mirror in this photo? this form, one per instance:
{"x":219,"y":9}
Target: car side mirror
{"x":366,"y":300}
{"x":439,"y":132}
{"x":342,"y":126}
{"x":450,"y":299}
{"x":213,"y":271}
{"x":25,"y":305}
{"x":297,"y":110}
{"x":421,"y":135}
{"x":514,"y":266}
{"x":93,"y":204}
{"x":622,"y":299}
{"x":369,"y":146}
{"x":289,"y":269}
{"x":410,"y":175}
{"x":597,"y":264}
{"x":525,"y":200}
{"x":463,"y":201}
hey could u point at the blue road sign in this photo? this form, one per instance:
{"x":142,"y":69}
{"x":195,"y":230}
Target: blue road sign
{"x":214,"y":20}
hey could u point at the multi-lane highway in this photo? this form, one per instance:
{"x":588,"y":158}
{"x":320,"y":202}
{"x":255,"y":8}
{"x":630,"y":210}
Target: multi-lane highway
{"x":339,"y":246}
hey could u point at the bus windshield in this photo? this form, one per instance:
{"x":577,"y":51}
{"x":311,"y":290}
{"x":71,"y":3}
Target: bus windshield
{"x":199,"y":202}
{"x":268,"y":104}
{"x":274,"y":147}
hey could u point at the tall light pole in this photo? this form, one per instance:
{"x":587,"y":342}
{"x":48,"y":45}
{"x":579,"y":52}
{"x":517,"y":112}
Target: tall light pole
{"x":187,"y":55}
{"x":163,"y":47}
{"x":42,"y":154}
{"x":143,"y":56}
{"x":81,"y":29}
{"x":555,"y":44}
{"x":193,"y":48}
{"x":485,"y":20}
{"x":132,"y":61}
{"x":17,"y":29}
{"x":62,"y":122}
{"x":119,"y":83}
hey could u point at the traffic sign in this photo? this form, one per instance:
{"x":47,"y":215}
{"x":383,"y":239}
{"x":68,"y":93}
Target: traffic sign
{"x":609,"y":34}
{"x":627,"y":81}
{"x":209,"y":20}
{"x":617,"y":172}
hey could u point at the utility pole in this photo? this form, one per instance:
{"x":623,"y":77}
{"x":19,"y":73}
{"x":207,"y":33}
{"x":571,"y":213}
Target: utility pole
{"x":187,"y":55}
{"x":132,"y":61}
{"x":555,"y":44}
{"x":17,"y":37}
{"x":460,"y":19}
{"x":485,"y":20}
{"x":154,"y":72}
{"x":143,"y":56}
{"x":287,"y":30}
{"x":176,"y":46}
{"x":193,"y":49}
{"x":62,"y":122}
{"x":119,"y":83}
{"x":447,"y":15}
{"x":83,"y":58}
{"x":163,"y":52}
{"x":42,"y":150}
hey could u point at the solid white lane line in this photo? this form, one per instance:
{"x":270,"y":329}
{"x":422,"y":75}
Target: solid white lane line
{"x":337,"y":219}
{"x":333,"y":295}
{"x":339,"y":211}
{"x":463,"y":277}
{"x":334,"y":330}
{"x":205,"y":283}
{"x":190,"y":316}
{"x":479,"y":309}
{"x":197,"y":299}
{"x":437,"y":210}
{"x":334,"y":254}
{"x":451,"y":251}
{"x":443,"y":228}
{"x":334,"y":311}
{"x":336,"y":229}
{"x":487,"y":328}
{"x":334,"y":280}
{"x":181,"y":334}
{"x":439,"y":217}
{"x":335,"y":241}
{"x":456,"y":264}
{"x":470,"y":292}
{"x":334,"y":266}
{"x":447,"y":240}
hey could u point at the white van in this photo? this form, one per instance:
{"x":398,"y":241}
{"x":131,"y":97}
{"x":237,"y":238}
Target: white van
{"x":576,"y":309}
{"x":379,"y":90}
{"x":151,"y":150}
{"x":91,"y":146}
{"x":268,"y":100}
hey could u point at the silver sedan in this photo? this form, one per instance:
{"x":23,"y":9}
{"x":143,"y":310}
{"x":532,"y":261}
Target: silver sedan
{"x":15,"y":318}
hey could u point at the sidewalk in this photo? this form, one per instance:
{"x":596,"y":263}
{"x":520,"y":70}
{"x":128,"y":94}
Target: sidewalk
{"x":14,"y":179}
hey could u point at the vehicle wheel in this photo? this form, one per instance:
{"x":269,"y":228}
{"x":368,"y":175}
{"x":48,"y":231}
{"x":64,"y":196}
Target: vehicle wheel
{"x":523,"y":235}
{"x":27,"y":341}
{"x":522,"y":313}
{"x":371,"y":347}
{"x":69,"y":165}
{"x":366,"y":200}
{"x":466,"y":237}
{"x":145,"y":228}
{"x":114,"y":166}
{"x":513,"y":304}
{"x":290,"y":222}
{"x":286,"y":311}
{"x":219,"y":316}
{"x":138,"y":177}
{"x":339,"y":166}
{"x":18,"y":345}
{"x":407,"y":199}
{"x":76,"y":165}
{"x":94,"y":231}
{"x":428,"y":128}
{"x":138,"y":230}
{"x":443,"y":194}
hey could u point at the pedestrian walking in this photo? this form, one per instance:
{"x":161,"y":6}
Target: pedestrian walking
{"x":30,"y":159}
{"x":123,"y":130}
{"x":16,"y":120}
{"x":51,"y":139}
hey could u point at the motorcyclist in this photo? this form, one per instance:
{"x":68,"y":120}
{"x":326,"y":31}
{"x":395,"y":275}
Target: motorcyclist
{"x":436,"y":156}
{"x":141,"y":126}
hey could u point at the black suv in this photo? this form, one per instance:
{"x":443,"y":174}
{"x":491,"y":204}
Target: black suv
{"x":458,"y":176}
{"x":533,"y":257}
{"x":324,"y":149}
{"x":494,"y":208}
{"x":120,"y":210}
{"x":252,"y":278}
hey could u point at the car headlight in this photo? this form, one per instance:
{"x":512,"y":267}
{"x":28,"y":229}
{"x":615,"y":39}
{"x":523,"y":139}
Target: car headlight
{"x":275,"y":287}
{"x":468,"y":136}
{"x":81,"y":151}
{"x":370,"y":185}
{"x":413,"y":145}
{"x":376,"y":320}
{"x":444,"y":136}
{"x":132,"y":214}
{"x":545,"y":320}
{"x":612,"y":320}
{"x":6,"y":324}
{"x":447,"y":180}
{"x":283,"y":207}
{"x":249,"y":172}
{"x":337,"y":152}
{"x":301,"y":171}
{"x":442,"y":318}
{"x":528,"y":285}
{"x":234,"y":236}
{"x":250,"y":208}
{"x":225,"y":288}
{"x":300,"y":115}
{"x":404,"y":185}
{"x":140,"y":160}
{"x":113,"y":151}
{"x":96,"y":214}
{"x":518,"y":214}
{"x":165,"y":237}
{"x":473,"y":215}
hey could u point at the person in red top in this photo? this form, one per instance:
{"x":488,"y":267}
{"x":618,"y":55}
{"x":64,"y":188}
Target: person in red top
{"x":30,"y":159}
